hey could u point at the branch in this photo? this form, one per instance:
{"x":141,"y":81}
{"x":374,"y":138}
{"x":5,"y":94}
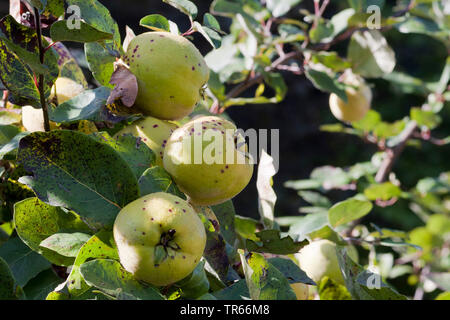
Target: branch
{"x":393,"y":153}
{"x":37,"y":20}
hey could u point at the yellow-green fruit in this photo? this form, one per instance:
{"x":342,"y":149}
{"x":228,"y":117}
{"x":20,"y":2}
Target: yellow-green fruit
{"x":319,"y":259}
{"x":301,"y":290}
{"x":359,"y":98}
{"x":33,"y":119}
{"x":65,"y":89}
{"x":160,"y":238}
{"x":170,"y":72}
{"x":154,"y":133}
{"x":208,"y":160}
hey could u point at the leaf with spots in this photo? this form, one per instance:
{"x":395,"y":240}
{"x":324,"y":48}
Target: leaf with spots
{"x":109,"y":276}
{"x":36,"y":221}
{"x":71,"y":169}
{"x":225,"y":213}
{"x":136,"y":153}
{"x":156,"y":179}
{"x":270,"y":241}
{"x":101,"y":245}
{"x":24,"y":263}
{"x":68,"y":66}
{"x":264,"y":281}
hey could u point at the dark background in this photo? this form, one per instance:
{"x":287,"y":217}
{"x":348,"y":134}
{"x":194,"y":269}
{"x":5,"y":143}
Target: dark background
{"x":302,"y":146}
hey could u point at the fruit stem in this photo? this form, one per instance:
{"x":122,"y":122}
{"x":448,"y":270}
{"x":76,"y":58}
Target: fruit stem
{"x":37,"y":19}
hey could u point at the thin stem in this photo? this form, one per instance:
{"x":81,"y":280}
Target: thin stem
{"x":393,"y":153}
{"x":37,"y":19}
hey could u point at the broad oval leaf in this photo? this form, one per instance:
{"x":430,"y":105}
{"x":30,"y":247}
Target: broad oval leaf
{"x":71,"y":169}
{"x":347,"y":211}
{"x":155,"y":22}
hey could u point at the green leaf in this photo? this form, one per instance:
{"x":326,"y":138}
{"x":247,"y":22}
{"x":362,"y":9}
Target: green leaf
{"x":281,"y":7}
{"x":315,"y":198}
{"x":39,"y":287}
{"x":102,"y":246}
{"x":211,"y":35}
{"x":109,"y":276}
{"x":8,"y":285}
{"x":322,"y":32}
{"x":307,"y":224}
{"x":8,"y":117}
{"x":270,"y":241}
{"x":362,"y":284}
{"x":66,"y":244}
{"x":12,"y":145}
{"x":24,"y":263}
{"x":324,"y":82}
{"x":330,"y":60}
{"x":291,"y":271}
{"x":156,"y":179}
{"x":185,"y":6}
{"x":383,"y":191}
{"x":131,"y":149}
{"x":97,"y":192}
{"x":237,"y":291}
{"x":370,"y":54}
{"x":155,"y":22}
{"x":226,"y":214}
{"x":330,"y":290}
{"x":347,"y":211}
{"x":60,"y":31}
{"x":89,"y":105}
{"x":246,"y":227}
{"x":264,"y":281}
{"x":36,"y":221}
{"x":211,"y":22}
{"x":99,"y":58}
{"x":7,"y":132}
{"x":194,"y":285}
{"x":425,"y":118}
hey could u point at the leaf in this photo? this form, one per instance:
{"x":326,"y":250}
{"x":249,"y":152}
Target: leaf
{"x":8,"y":117}
{"x":425,"y":118}
{"x":89,"y":105}
{"x":226,"y":214}
{"x":8,"y":285}
{"x":246,"y":227}
{"x":102,"y":246}
{"x":73,"y":170}
{"x":155,"y":22}
{"x":24,"y":263}
{"x":209,"y":34}
{"x":442,"y":280}
{"x":383,"y":191}
{"x":131,"y":149}
{"x":196,"y":284}
{"x":68,"y":65}
{"x":315,"y":198}
{"x":12,"y":145}
{"x":125,"y":86}
{"x":370,"y":54}
{"x":281,"y":7}
{"x":330,"y":60}
{"x":270,"y":241}
{"x":324,"y":82}
{"x":39,"y":287}
{"x":237,"y":291}
{"x":211,"y":22}
{"x":266,"y":195}
{"x":291,"y":271}
{"x":185,"y":6}
{"x":346,"y":211}
{"x":109,"y":276}
{"x":308,"y":224}
{"x":66,"y":244}
{"x":99,"y":58}
{"x":36,"y":221}
{"x":156,"y":179}
{"x":362,"y":284}
{"x":264,"y":281}
{"x":60,"y":31}
{"x":330,"y":290}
